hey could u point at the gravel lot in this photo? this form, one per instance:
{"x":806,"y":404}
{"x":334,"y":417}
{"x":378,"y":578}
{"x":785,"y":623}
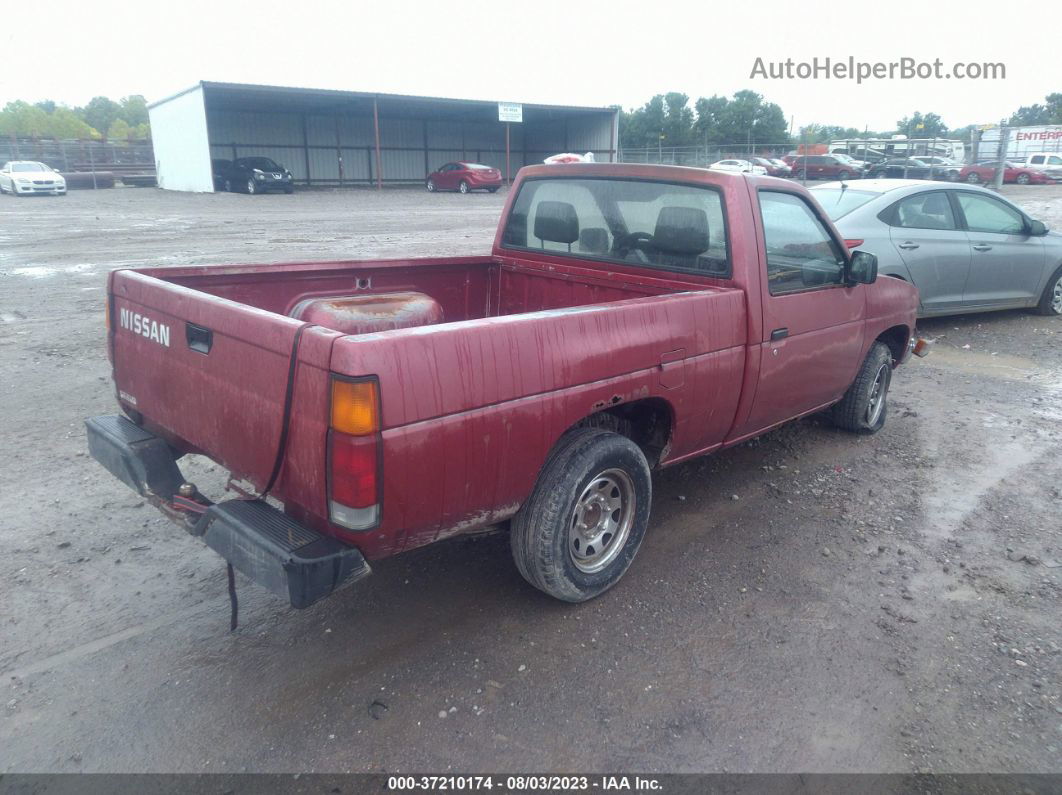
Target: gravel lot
{"x":810,"y":601}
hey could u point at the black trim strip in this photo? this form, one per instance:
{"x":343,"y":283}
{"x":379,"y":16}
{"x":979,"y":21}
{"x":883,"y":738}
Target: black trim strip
{"x":289,"y":394}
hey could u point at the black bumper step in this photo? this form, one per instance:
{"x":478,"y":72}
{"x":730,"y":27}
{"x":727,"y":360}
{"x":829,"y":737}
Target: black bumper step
{"x":275,"y":551}
{"x":261,"y":542}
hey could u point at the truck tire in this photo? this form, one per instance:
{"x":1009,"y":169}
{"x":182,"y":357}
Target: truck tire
{"x":865,"y":405}
{"x":1051,"y":300}
{"x":580,"y":529}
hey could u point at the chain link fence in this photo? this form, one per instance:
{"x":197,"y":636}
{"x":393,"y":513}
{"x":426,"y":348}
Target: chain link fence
{"x":132,"y":162}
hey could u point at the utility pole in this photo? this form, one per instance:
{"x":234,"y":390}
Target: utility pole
{"x":1001,"y":166}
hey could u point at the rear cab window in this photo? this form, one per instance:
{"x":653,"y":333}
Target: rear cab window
{"x":668,"y":226}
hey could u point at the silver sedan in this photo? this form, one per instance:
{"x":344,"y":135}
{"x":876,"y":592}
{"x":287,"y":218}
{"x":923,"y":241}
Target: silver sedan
{"x":965,"y":248}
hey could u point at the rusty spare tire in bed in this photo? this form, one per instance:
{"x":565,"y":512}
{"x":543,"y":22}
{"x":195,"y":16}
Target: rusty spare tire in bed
{"x":365,"y":313}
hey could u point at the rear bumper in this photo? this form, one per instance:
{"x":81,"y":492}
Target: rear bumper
{"x":261,"y":542}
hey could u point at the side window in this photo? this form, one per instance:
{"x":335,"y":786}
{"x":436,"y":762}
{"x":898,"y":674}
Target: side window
{"x":986,"y":214}
{"x":801,"y":255}
{"x":1036,"y":160}
{"x":924,"y":211}
{"x":1054,"y":160}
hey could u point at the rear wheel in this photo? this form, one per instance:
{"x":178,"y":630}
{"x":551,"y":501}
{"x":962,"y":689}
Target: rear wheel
{"x":843,"y":176}
{"x":801,"y":174}
{"x":492,"y":190}
{"x":580,"y":529}
{"x":464,"y":187}
{"x":1051,"y":300}
{"x":228,"y":186}
{"x":430,"y":186}
{"x":865,"y":405}
{"x":973,"y":177}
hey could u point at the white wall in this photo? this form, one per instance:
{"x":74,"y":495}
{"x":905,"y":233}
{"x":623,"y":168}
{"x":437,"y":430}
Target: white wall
{"x":182,"y":149}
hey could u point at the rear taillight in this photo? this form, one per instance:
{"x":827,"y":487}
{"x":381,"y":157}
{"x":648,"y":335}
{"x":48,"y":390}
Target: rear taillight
{"x":354,"y":454}
{"x":853,"y":243}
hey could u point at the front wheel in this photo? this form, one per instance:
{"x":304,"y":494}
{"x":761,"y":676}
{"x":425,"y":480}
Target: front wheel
{"x":865,"y":405}
{"x":289,"y":189}
{"x":1051,"y":300}
{"x":843,"y":176}
{"x":973,"y":178}
{"x":492,"y":190}
{"x":580,"y":529}
{"x":464,"y":187}
{"x":801,"y":174}
{"x":252,"y":187}
{"x":1022,"y":179}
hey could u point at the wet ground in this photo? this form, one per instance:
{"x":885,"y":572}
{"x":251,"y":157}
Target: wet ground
{"x":811,"y":601}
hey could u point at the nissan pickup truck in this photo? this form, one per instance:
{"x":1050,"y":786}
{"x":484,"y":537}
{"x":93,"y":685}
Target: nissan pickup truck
{"x":628,"y":317}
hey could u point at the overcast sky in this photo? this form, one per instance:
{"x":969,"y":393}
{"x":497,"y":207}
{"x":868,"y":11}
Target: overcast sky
{"x":594,"y":53}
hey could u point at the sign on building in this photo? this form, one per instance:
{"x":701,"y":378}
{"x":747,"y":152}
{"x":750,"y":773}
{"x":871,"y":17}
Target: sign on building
{"x":510,"y":111}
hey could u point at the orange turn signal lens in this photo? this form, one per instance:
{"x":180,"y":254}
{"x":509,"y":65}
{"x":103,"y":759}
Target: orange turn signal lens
{"x":355,"y":407}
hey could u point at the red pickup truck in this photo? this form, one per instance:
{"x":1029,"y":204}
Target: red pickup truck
{"x":627,"y":318}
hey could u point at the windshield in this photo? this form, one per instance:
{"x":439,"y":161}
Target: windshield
{"x":29,"y":167}
{"x":261,"y":163}
{"x":837,"y":202}
{"x":653,"y":224}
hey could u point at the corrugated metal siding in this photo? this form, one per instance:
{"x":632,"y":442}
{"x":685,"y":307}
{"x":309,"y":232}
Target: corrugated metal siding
{"x":280,"y":135}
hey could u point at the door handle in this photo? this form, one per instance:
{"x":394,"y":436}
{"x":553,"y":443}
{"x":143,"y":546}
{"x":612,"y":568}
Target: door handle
{"x":908,"y":245}
{"x":982,"y":247}
{"x":779,"y":334}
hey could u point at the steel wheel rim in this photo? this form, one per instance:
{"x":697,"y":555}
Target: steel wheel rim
{"x":1056,"y":298}
{"x":463,"y":187}
{"x":601,"y":521}
{"x":250,"y":186}
{"x":878,"y":391}
{"x":1023,"y":179}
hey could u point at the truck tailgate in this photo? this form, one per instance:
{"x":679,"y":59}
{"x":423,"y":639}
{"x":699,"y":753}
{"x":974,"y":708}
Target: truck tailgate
{"x":205,"y":372}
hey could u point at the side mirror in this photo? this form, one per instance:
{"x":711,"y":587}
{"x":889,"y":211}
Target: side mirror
{"x":862,"y":268}
{"x":1037,"y":228}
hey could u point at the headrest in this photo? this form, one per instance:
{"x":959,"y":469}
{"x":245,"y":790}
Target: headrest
{"x":594,"y":239}
{"x":936,"y":204}
{"x":556,"y":222}
{"x":681,"y":230}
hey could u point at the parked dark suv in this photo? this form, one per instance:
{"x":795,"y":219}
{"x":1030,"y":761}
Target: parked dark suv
{"x":824,"y":167}
{"x":257,"y":175}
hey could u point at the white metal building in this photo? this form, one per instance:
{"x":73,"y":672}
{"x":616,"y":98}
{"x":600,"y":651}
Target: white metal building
{"x":341,"y":138}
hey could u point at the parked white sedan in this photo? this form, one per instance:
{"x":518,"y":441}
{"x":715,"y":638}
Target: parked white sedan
{"x":739,"y":166}
{"x":26,"y":177}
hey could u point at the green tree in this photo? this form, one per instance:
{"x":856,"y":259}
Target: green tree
{"x":134,"y":110}
{"x":100,"y":113}
{"x":1049,"y":113}
{"x":918,"y":126}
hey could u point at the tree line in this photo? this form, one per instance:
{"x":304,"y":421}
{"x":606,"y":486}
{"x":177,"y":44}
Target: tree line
{"x":101,"y":117}
{"x":747,"y":120}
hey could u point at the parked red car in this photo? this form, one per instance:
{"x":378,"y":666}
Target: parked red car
{"x":629,"y":317}
{"x":824,"y":167}
{"x":464,"y":177}
{"x":986,"y":172}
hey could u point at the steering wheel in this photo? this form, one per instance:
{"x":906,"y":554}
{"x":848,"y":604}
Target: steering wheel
{"x":634,"y":240}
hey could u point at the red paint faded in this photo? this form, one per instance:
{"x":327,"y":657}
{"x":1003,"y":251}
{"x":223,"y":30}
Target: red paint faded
{"x":523,"y":345}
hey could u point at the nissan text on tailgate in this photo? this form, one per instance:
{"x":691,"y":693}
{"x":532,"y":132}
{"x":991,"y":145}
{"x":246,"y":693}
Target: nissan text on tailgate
{"x":627,"y":318}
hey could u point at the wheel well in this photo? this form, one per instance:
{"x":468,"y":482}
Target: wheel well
{"x":647,"y":423}
{"x":896,"y":338}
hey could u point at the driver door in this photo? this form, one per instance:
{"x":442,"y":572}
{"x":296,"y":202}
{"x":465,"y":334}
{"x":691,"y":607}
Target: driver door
{"x":812,"y":321}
